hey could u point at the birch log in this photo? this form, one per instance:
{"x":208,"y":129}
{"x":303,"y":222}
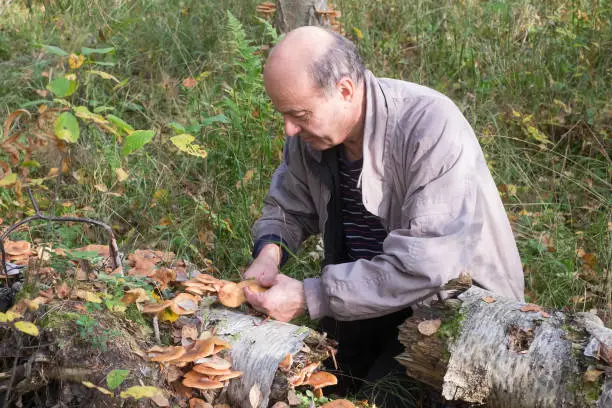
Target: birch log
{"x":291,"y":14}
{"x":499,"y":355}
{"x":257,"y":348}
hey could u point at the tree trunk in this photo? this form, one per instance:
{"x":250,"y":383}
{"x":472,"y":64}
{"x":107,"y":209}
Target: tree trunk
{"x":502,"y":356}
{"x":291,"y":14}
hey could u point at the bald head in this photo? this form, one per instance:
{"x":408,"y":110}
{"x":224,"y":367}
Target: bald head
{"x":313,"y":56}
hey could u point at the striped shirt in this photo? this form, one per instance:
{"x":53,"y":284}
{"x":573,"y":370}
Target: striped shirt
{"x":363,"y":232}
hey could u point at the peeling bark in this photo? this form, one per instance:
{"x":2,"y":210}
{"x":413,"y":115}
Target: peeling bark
{"x":498,"y":355}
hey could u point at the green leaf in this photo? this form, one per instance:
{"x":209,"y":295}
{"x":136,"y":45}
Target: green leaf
{"x":104,"y":63}
{"x":120,"y":124}
{"x":27,"y":328}
{"x":67,"y":128}
{"x":89,"y":51}
{"x":136,"y":140}
{"x":185,"y":144}
{"x":31,"y":164}
{"x":76,"y":255}
{"x":102,"y":109}
{"x":54,"y":50}
{"x":140,"y":392}
{"x":213,"y":119}
{"x":116,"y":377}
{"x":8,"y":179}
{"x":177,"y":127}
{"x":62,"y":87}
{"x":103,"y":74}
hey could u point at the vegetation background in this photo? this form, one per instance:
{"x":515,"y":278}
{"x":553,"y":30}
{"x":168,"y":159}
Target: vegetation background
{"x":108,"y":85}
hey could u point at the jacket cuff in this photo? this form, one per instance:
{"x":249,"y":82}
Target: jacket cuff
{"x":271,"y":239}
{"x":317,"y":300}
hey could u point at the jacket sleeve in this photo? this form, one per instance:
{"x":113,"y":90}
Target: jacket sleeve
{"x":289,"y":212}
{"x":438,"y":230}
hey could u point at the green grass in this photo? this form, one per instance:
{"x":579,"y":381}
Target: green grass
{"x":532,"y":77}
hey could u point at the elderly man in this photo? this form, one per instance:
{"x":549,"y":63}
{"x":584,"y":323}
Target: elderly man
{"x":392,"y":175}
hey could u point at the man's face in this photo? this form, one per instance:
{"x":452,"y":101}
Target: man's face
{"x":319,"y":119}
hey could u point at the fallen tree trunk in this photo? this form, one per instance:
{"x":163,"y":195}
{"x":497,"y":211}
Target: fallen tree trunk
{"x":291,"y":14}
{"x":503,"y":353}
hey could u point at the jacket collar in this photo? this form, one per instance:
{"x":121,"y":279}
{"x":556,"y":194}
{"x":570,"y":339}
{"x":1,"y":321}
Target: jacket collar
{"x":374,"y":138}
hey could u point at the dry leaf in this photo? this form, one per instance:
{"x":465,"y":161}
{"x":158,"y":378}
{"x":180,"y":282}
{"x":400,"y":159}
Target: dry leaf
{"x":136,"y":295}
{"x":62,"y":291}
{"x":163,"y":276}
{"x":121,"y":174}
{"x":160,"y":400}
{"x":429,"y":327}
{"x":80,"y":274}
{"x":101,"y":187}
{"x":489,"y":299}
{"x":592,"y":375}
{"x":255,"y":396}
{"x":545,"y":315}
{"x":140,"y":266}
{"x":189,"y":334}
{"x":530,"y":307}
{"x":87,"y":296}
{"x":47,"y":293}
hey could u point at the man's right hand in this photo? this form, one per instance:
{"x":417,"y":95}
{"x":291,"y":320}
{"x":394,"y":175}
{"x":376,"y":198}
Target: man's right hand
{"x":265,"y":267}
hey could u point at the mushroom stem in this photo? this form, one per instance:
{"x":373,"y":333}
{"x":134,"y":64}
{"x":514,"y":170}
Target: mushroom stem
{"x":156,"y":329}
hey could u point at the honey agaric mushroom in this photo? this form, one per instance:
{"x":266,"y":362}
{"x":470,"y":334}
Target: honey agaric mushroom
{"x":154,"y":308}
{"x":303,"y":374}
{"x":232,"y":374}
{"x":17,"y":248}
{"x":199,"y":349}
{"x":341,"y":403}
{"x":215,"y":362}
{"x":286,"y":363}
{"x":202,"y":369}
{"x":206,"y":278}
{"x":201,"y":382}
{"x":184,"y":303}
{"x":232,"y":294}
{"x":165,"y":354}
{"x":321,"y":379}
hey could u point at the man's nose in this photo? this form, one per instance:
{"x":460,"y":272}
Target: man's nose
{"x":291,"y":129}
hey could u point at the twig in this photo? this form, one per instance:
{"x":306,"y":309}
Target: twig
{"x":114,"y":249}
{"x":156,"y":329}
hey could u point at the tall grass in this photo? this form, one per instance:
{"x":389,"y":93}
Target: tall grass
{"x":532,"y":78}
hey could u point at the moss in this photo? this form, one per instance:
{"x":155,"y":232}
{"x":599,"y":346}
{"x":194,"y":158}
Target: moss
{"x":451,"y":326}
{"x":132,"y":313}
{"x":57,"y":320}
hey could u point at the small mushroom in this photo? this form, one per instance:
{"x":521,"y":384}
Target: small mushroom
{"x":201,"y":382}
{"x":302,"y":375}
{"x":184,"y":303}
{"x":319,"y":380}
{"x":199,"y":349}
{"x":215,"y":362}
{"x":165,"y":354}
{"x":202,"y":369}
{"x":154,"y":308}
{"x":225,"y":377}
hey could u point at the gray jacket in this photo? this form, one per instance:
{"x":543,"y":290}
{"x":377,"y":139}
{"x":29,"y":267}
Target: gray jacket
{"x":425,"y":176}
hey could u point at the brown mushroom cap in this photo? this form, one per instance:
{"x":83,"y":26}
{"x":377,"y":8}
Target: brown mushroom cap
{"x":199,"y":349}
{"x":154,"y":308}
{"x":286,"y":363}
{"x":215,"y":362}
{"x":163,"y":354}
{"x":184,"y":303}
{"x":16,"y":248}
{"x":201,"y":382}
{"x":341,"y":403}
{"x":202,"y":369}
{"x":206,"y":278}
{"x":321,"y":379}
{"x":225,"y":377}
{"x":300,"y":376}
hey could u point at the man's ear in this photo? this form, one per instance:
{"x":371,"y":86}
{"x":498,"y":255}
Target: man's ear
{"x":346,"y":87}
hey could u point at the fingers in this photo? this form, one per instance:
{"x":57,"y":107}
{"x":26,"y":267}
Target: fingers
{"x":255,"y":299}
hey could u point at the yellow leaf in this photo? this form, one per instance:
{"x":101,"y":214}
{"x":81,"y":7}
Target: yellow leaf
{"x":75,"y":61}
{"x":88,"y":296}
{"x":27,"y":328}
{"x":8,"y":179}
{"x":358,"y":33}
{"x":185,"y":144}
{"x":203,"y":75}
{"x":160,"y":194}
{"x":140,"y":392}
{"x":84,"y":113}
{"x":101,"y":389}
{"x":167,"y":315}
{"x":104,"y":75}
{"x":8,"y":317}
{"x":71,"y":77}
{"x":121,"y":174}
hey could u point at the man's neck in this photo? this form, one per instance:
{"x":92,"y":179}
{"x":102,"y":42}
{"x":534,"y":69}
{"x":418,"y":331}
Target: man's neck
{"x":353,"y":145}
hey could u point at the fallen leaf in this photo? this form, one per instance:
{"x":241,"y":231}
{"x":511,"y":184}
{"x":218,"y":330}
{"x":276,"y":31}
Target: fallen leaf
{"x":592,"y":375}
{"x":47,"y":293}
{"x":189,"y":82}
{"x":545,"y":315}
{"x":27,"y":328}
{"x":101,"y":188}
{"x":101,"y":389}
{"x":489,"y":299}
{"x":163,"y":276}
{"x":590,"y":259}
{"x":136,"y":295}
{"x":121,"y":174}
{"x":167,"y":315}
{"x":8,"y":317}
{"x":87,"y":296}
{"x":255,"y":396}
{"x":189,"y":334}
{"x":160,"y":400}
{"x":62,"y":291}
{"x":429,"y":327}
{"x":80,"y":274}
{"x":530,"y":307}
{"x":139,"y":266}
{"x":139,"y":392}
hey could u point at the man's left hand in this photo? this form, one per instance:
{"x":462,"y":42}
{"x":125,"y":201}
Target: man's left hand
{"x":285,"y":300}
